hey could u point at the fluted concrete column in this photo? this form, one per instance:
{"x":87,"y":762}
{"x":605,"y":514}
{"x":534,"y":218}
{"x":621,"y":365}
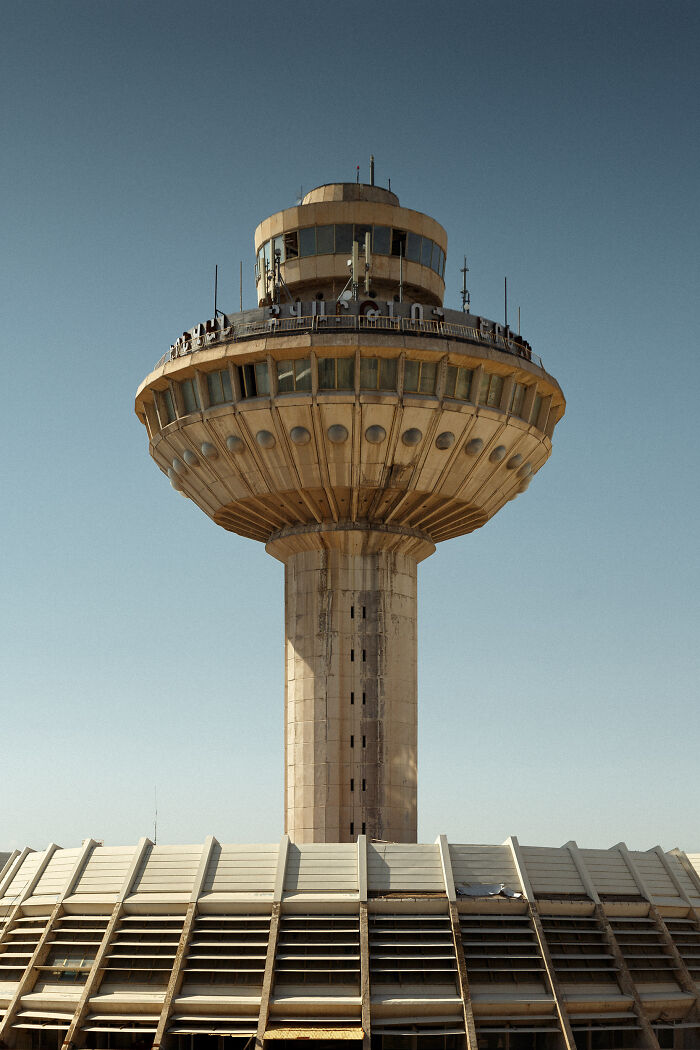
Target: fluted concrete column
{"x":350,"y":686}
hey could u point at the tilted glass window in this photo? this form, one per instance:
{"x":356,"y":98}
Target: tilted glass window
{"x":343,"y":238}
{"x":278,"y":246}
{"x":219,"y":387}
{"x":190,"y":398}
{"x":266,"y":254}
{"x":517,"y":399}
{"x":381,"y":242}
{"x":254,"y":379}
{"x":458,"y":383}
{"x":378,"y":373}
{"x":307,"y":241}
{"x":169,"y":406}
{"x":419,"y":377}
{"x":426,"y":255}
{"x":491,"y":390}
{"x":336,"y":373}
{"x":291,"y":245}
{"x":325,"y":240}
{"x":413,"y":247}
{"x":536,"y":409}
{"x":294,"y":375}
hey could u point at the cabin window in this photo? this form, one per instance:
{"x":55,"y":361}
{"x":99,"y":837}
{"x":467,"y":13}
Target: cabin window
{"x":458,"y":382}
{"x":420,"y":377}
{"x":491,"y":390}
{"x":219,"y":387}
{"x":336,"y":373}
{"x":294,"y":375}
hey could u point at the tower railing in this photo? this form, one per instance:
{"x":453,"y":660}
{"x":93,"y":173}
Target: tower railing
{"x":206,"y":335}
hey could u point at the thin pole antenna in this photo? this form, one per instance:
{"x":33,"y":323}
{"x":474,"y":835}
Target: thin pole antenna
{"x":466,"y":297}
{"x":241,"y":285}
{"x":216,"y":289}
{"x":357,"y":176}
{"x":155,"y":814}
{"x":400,"y":272}
{"x":518,"y":320}
{"x":505,"y":298}
{"x":371,"y":169}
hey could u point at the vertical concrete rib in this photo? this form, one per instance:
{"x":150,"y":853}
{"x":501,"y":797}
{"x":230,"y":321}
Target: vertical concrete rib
{"x":94,"y":977}
{"x":562,"y":1013}
{"x":365,"y":987}
{"x":269,"y":974}
{"x":177,"y":973}
{"x":627,"y":985}
{"x":453,"y":912}
{"x":175,"y":979}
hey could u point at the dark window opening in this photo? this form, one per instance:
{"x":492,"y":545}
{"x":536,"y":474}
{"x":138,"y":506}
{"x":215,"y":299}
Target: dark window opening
{"x":352,"y":612}
{"x":364,"y":654}
{"x":352,"y":741}
{"x":352,"y":783}
{"x":364,"y":698}
{"x":352,"y":698}
{"x":364,"y":784}
{"x":398,"y":242}
{"x":364,"y":827}
{"x":364,"y":612}
{"x":352,"y":655}
{"x":364,"y":741}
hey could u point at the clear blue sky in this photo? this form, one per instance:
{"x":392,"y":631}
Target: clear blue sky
{"x":141,"y":143}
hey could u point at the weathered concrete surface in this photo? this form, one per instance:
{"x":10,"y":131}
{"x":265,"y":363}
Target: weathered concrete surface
{"x":350,"y":696}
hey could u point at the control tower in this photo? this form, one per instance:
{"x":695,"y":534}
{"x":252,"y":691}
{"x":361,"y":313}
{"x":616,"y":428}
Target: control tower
{"x":350,"y":422}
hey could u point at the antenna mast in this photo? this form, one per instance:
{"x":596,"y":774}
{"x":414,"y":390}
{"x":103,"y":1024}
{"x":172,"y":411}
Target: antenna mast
{"x":466,"y":297}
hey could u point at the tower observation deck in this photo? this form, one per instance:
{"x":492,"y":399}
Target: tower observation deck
{"x":350,"y":422}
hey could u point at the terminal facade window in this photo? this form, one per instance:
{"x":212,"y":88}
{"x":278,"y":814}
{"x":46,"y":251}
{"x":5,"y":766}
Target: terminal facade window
{"x":254,"y":380}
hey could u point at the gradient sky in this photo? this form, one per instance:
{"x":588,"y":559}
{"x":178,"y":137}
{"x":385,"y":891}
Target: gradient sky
{"x":141,"y":646}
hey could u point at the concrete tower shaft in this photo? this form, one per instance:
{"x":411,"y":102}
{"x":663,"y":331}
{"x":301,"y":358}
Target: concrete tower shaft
{"x":350,"y":434}
{"x":350,"y":683}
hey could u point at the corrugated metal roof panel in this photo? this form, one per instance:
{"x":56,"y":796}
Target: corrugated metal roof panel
{"x":241,"y":869}
{"x":484,"y":864}
{"x":392,"y":867}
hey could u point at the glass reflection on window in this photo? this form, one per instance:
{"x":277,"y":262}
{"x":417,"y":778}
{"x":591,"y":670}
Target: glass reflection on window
{"x":413,"y":247}
{"x":294,"y":375}
{"x":381,"y":240}
{"x":324,"y":240}
{"x":307,"y":241}
{"x":189,"y":395}
{"x":458,"y":383}
{"x":169,"y":406}
{"x":517,"y":399}
{"x":491,"y":390}
{"x":219,"y":387}
{"x":343,"y":238}
{"x":420,"y":377}
{"x":426,"y":255}
{"x":336,"y":373}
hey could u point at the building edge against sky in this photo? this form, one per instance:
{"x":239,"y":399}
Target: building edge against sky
{"x":350,"y":422}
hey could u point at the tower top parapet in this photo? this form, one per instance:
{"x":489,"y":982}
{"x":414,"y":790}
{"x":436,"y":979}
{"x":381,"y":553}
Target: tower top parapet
{"x":350,"y":191}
